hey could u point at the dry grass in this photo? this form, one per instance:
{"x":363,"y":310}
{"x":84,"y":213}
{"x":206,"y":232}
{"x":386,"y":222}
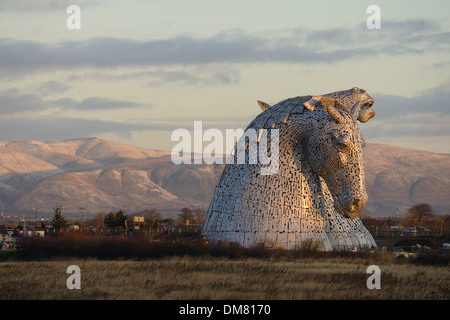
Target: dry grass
{"x":204,"y":278}
{"x":129,"y":269}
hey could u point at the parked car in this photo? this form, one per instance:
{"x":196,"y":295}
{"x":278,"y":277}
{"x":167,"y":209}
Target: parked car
{"x":410,"y":230}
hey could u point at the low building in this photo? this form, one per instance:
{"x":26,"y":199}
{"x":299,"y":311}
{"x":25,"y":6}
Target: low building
{"x":31,"y":231}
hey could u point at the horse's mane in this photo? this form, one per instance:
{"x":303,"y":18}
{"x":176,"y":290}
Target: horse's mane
{"x":280,"y":112}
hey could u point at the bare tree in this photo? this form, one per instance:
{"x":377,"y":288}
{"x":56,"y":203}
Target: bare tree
{"x":200,"y":216}
{"x":438,"y":223}
{"x":151,"y":217}
{"x":96,"y":221}
{"x":416,"y":215}
{"x":186,"y":214}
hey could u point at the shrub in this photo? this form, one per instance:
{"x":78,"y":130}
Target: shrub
{"x":76,"y":245}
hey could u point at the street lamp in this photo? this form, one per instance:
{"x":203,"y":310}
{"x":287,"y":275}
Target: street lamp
{"x":36,"y":212}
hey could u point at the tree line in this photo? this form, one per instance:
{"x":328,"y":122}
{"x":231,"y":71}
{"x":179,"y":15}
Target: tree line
{"x":420,"y":214}
{"x":152,"y":218}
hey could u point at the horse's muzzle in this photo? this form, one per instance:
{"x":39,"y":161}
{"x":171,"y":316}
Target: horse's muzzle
{"x":355,"y":207}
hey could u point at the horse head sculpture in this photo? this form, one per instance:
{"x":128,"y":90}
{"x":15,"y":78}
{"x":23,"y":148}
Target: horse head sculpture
{"x":318,"y":190}
{"x":334,"y":152}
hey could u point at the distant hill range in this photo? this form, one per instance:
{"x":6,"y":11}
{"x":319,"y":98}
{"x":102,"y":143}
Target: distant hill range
{"x":96,"y":175}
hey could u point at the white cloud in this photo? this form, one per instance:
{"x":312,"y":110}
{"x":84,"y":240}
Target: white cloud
{"x":414,"y":36}
{"x":13,"y":101}
{"x":51,"y":87}
{"x":41,"y":5}
{"x":45,"y":128}
{"x":426,"y":115}
{"x":94,"y":103}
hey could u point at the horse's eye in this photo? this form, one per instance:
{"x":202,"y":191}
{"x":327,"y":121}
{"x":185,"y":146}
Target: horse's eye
{"x":343,"y":143}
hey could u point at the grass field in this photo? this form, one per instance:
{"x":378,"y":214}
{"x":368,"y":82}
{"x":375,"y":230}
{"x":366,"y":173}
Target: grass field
{"x":191,"y":277}
{"x":127,"y":269}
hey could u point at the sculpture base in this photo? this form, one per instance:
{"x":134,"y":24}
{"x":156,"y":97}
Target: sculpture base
{"x":350,"y":235}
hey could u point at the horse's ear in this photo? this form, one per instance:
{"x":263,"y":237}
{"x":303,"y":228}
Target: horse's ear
{"x":331,"y":105}
{"x":311,"y":103}
{"x":326,"y":101}
{"x":334,"y":113}
{"x":264,"y":106}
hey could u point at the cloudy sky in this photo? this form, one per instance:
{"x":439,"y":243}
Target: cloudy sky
{"x":137,"y":70}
